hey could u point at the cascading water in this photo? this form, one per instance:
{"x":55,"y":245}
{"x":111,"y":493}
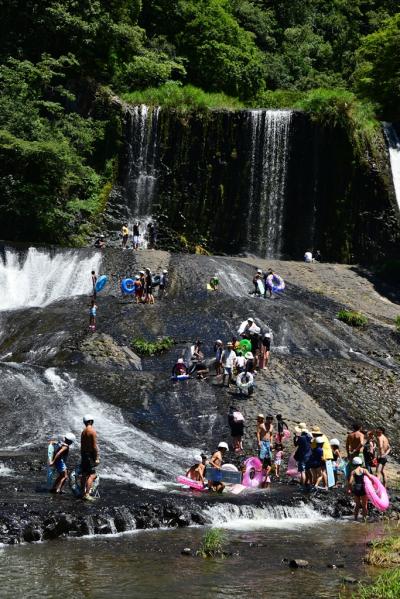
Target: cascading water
{"x":142,"y":135}
{"x":269,"y":132}
{"x":56,"y":405}
{"x":40,"y":278}
{"x":393,"y":141}
{"x":274,"y":516}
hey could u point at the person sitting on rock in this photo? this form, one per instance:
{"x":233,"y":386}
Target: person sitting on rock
{"x":100,"y":242}
{"x":179,"y":368}
{"x":197,"y":471}
{"x":216,"y":462}
{"x":59,"y":461}
{"x":214,"y":283}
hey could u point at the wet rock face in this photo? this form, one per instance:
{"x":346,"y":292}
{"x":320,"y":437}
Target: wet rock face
{"x":102,"y":351}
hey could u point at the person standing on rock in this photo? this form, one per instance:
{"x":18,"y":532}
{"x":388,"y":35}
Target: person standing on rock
{"x":125,"y":235}
{"x":265,"y":350}
{"x":302,"y":441}
{"x":357,"y":487}
{"x":384,"y":449}
{"x":281,"y":427}
{"x":148,"y":290}
{"x":228,"y":362}
{"x":136,"y":235}
{"x":94,"y":281}
{"x":355,"y":445}
{"x":236,"y":424}
{"x":369,"y":450}
{"x":92,"y":315}
{"x":218,"y":351}
{"x":89,"y":456}
{"x":162,"y":289}
{"x":59,"y":461}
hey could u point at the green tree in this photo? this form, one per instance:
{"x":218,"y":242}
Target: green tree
{"x":377,"y":75}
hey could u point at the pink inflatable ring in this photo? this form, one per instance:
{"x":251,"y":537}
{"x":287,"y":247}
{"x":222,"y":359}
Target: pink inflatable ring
{"x":253,"y":475}
{"x":376,"y":493}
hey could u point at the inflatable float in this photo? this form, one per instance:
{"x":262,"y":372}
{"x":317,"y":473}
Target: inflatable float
{"x":245,"y":345}
{"x":253,"y":476}
{"x":278,"y":284}
{"x":260,"y":286}
{"x":74,"y":480}
{"x":244,"y":381}
{"x":51,"y":471}
{"x":100,"y":283}
{"x":128,"y":286}
{"x":376,"y":493}
{"x":292,"y":470}
{"x":216,"y":475}
{"x":193,"y":484}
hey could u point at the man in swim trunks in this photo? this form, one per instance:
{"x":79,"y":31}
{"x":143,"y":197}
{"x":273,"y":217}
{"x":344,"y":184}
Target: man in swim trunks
{"x":197,"y":471}
{"x":384,"y":449}
{"x":355,"y":445}
{"x":265,"y":435}
{"x":89,"y":456}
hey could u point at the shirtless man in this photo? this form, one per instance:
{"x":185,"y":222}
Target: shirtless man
{"x":355,"y":444}
{"x":383,"y":451}
{"x":89,"y":455}
{"x":265,"y":435}
{"x":197,"y":471}
{"x":216,"y":462}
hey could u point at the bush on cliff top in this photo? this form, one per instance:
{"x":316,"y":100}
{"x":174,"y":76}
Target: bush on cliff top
{"x":150,"y":348}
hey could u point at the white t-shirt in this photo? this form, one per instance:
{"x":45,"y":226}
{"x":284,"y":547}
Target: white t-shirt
{"x":240,"y":361}
{"x":228,"y":358}
{"x":308,"y":257}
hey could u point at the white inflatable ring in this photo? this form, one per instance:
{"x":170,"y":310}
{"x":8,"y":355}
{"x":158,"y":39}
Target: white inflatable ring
{"x":244,"y":385}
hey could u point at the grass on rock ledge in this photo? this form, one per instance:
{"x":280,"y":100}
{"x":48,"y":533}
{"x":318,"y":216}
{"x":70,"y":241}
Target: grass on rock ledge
{"x":150,"y":348}
{"x":353,"y":319}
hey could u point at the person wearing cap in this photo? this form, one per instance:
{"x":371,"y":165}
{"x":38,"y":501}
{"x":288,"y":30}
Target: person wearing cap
{"x":162,"y":289}
{"x":136,"y":235}
{"x":250,"y":363}
{"x":228,"y":361}
{"x":59,"y":461}
{"x":302,"y":441}
{"x":216,"y":462}
{"x":218,"y":350}
{"x":265,"y":435}
{"x":357,"y":487}
{"x":179,"y":368}
{"x":265,"y":348}
{"x":214,"y":283}
{"x":89,"y":456}
{"x":125,"y":235}
{"x":197,"y":471}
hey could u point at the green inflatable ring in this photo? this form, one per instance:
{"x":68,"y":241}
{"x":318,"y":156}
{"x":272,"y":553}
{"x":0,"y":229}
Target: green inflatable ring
{"x":245,"y":345}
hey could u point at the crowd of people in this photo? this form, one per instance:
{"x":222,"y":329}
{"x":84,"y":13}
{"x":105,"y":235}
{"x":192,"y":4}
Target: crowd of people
{"x":135,"y":238}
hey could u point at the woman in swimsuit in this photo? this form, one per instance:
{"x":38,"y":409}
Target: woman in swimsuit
{"x":357,"y":488}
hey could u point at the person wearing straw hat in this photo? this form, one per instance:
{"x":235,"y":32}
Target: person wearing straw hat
{"x":326,"y":449}
{"x":302,"y":441}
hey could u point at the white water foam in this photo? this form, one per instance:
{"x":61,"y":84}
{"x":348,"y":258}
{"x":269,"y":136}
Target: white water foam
{"x":394,"y":154}
{"x":43,"y":278}
{"x":5,"y":470}
{"x":246,"y":517}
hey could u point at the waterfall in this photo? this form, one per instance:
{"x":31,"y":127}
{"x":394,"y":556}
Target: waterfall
{"x":273,"y":516}
{"x":142,"y":142}
{"x":393,"y":141}
{"x":40,"y":278}
{"x":269,"y":132}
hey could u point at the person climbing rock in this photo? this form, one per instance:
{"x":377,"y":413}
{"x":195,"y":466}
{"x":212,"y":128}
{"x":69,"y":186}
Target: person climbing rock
{"x":383,"y":448}
{"x":198,"y":470}
{"x":125,"y":235}
{"x":216,"y":462}
{"x":214,"y":283}
{"x":136,"y":235}
{"x":357,"y":487}
{"x":89,"y":456}
{"x":257,"y":277}
{"x":61,"y":451}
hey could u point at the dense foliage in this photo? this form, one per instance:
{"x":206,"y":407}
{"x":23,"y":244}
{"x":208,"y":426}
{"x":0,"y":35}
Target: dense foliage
{"x":61,"y":63}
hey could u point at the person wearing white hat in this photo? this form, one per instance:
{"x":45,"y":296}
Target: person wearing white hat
{"x":228,"y":361}
{"x":257,"y":277}
{"x":216,"y":462}
{"x":89,"y":455}
{"x":197,"y":471}
{"x":179,"y":368}
{"x":337,"y":457}
{"x":59,"y":461}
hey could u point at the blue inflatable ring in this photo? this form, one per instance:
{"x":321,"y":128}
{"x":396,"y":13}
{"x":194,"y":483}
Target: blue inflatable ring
{"x":128,"y":286}
{"x":100,"y":283}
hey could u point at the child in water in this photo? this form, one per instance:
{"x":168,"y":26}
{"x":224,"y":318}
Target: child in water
{"x":278,"y":459}
{"x":92,"y":315}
